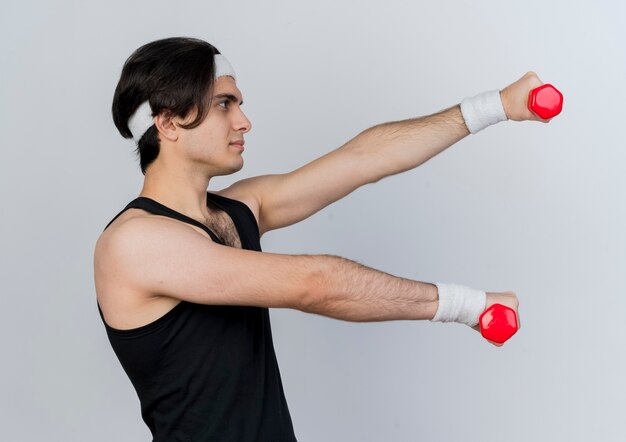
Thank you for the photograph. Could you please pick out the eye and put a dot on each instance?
(223, 102)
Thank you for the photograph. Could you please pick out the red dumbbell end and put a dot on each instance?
(498, 323)
(545, 101)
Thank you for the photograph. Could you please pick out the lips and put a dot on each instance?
(238, 145)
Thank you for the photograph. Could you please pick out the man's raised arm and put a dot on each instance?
(398, 146)
(382, 150)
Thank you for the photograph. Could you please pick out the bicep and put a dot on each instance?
(165, 258)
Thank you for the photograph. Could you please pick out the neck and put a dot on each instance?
(178, 188)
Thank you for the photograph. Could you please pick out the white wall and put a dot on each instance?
(534, 208)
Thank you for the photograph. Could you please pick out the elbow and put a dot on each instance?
(313, 296)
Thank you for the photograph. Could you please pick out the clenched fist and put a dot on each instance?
(515, 98)
(508, 299)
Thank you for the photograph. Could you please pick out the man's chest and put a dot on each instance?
(220, 223)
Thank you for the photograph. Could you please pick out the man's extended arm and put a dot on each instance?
(399, 146)
(382, 150)
(344, 289)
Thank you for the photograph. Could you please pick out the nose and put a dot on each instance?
(242, 123)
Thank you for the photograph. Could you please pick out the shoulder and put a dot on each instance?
(140, 250)
(135, 237)
(123, 256)
(140, 229)
(124, 226)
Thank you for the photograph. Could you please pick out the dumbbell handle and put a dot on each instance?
(545, 101)
(498, 323)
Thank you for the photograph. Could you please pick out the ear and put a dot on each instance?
(167, 125)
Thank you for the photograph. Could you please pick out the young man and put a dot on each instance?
(182, 285)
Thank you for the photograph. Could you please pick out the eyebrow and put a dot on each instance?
(230, 97)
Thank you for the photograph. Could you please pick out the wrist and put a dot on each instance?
(504, 98)
(483, 110)
(458, 303)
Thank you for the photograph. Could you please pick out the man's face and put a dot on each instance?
(224, 124)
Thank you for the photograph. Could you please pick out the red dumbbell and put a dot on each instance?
(545, 101)
(498, 323)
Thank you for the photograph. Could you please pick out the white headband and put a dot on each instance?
(141, 120)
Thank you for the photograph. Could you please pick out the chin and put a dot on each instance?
(235, 168)
(238, 168)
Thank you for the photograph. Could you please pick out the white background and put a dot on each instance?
(530, 207)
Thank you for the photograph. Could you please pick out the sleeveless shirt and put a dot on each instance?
(206, 372)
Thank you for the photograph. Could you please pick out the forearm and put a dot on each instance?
(345, 289)
(398, 146)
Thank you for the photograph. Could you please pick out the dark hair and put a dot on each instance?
(175, 75)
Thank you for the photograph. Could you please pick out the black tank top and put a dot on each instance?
(206, 372)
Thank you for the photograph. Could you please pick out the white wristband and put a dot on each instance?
(458, 303)
(483, 110)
